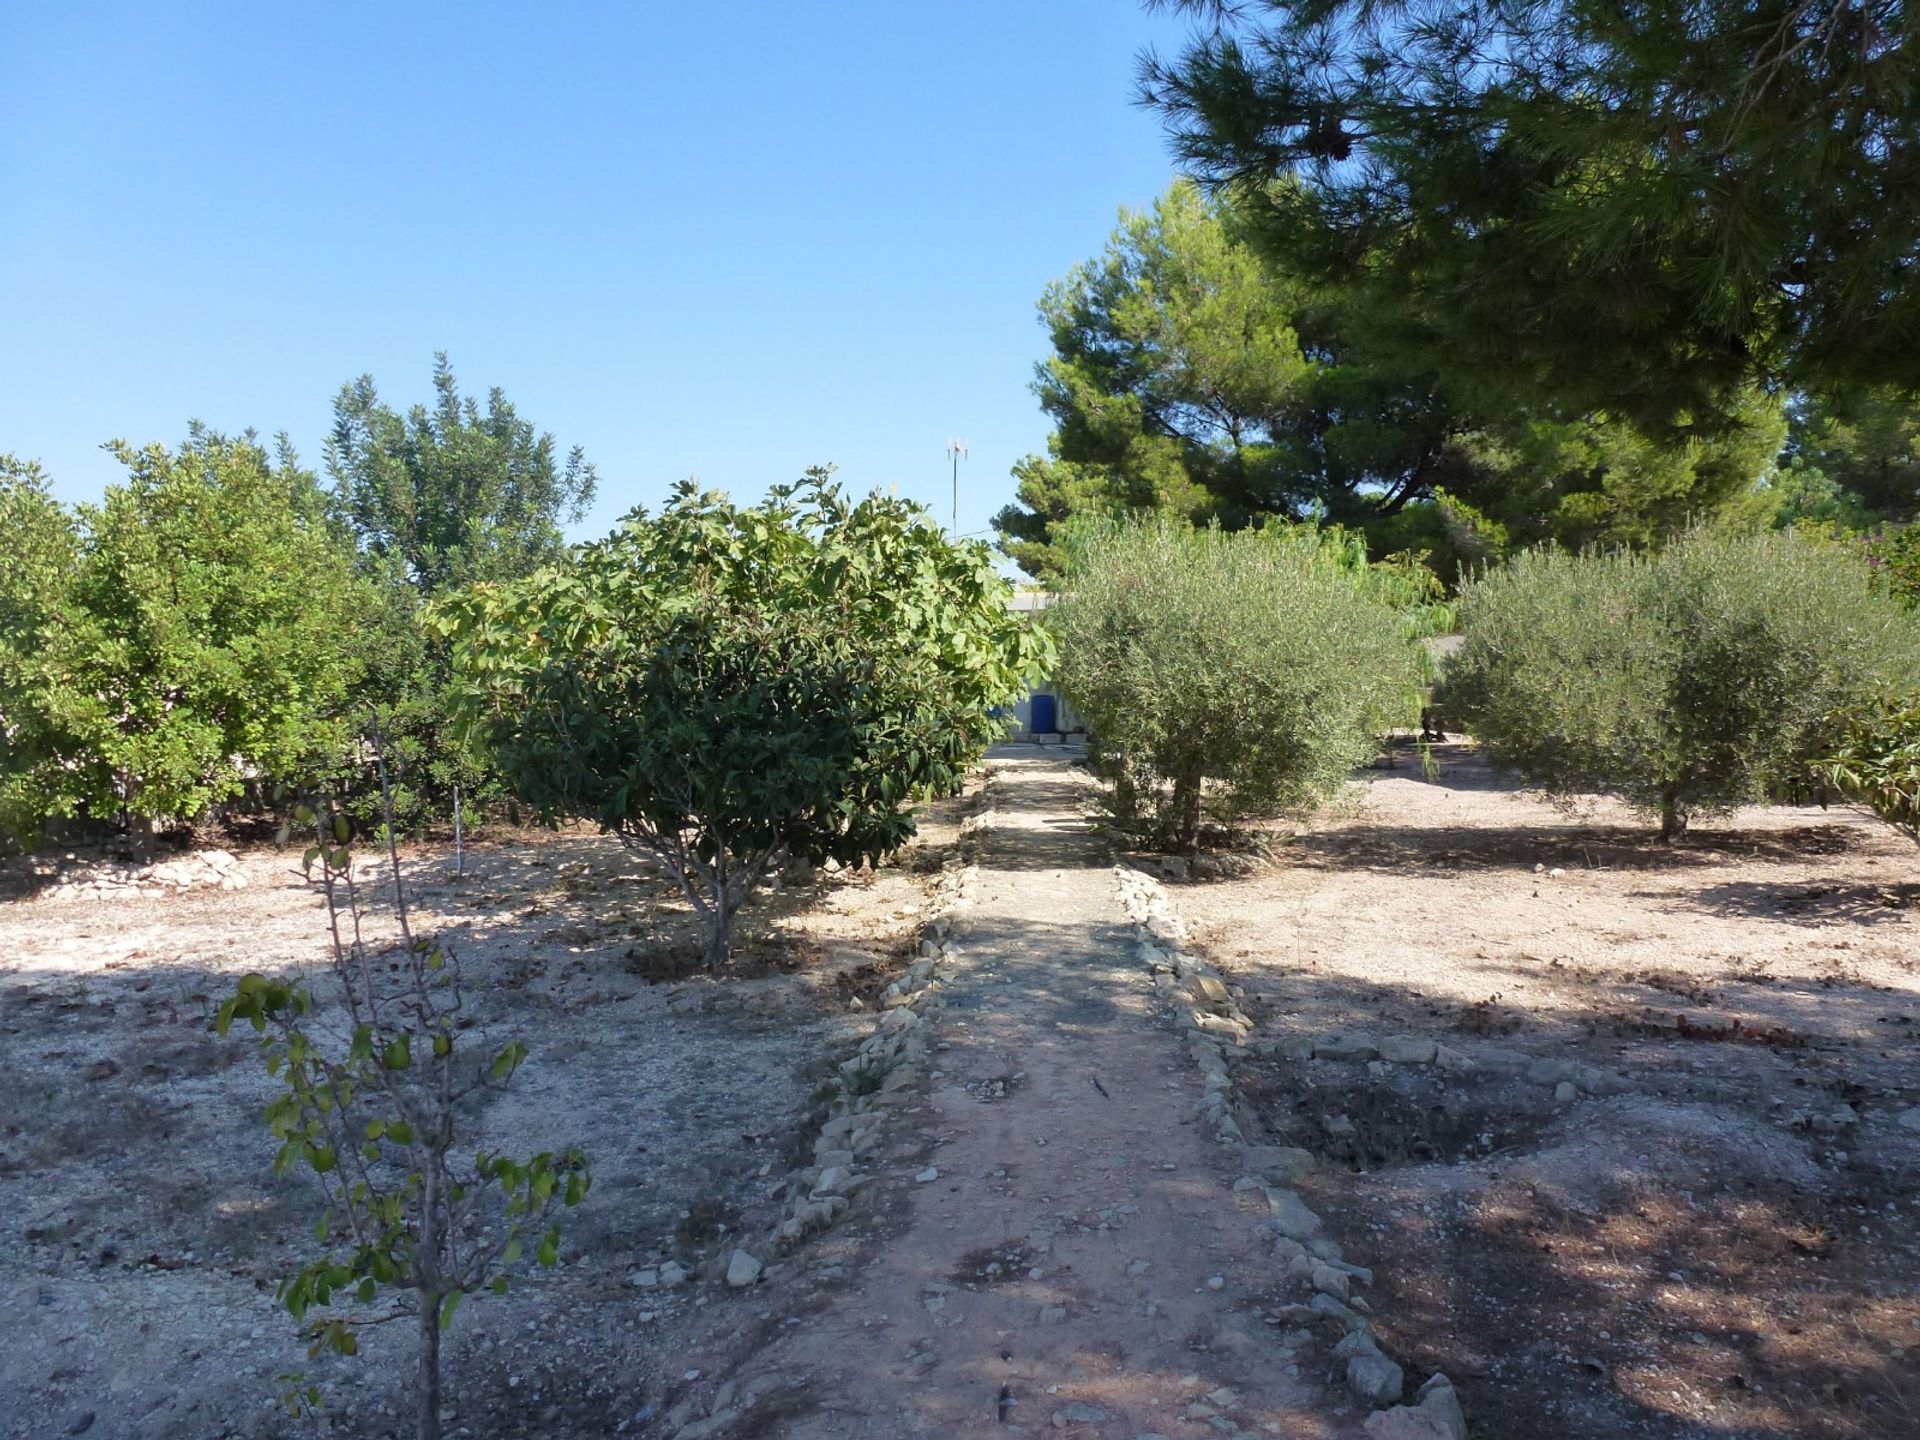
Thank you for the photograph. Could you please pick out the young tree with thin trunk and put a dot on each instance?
(1233, 674)
(378, 1077)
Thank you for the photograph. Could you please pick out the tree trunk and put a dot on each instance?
(427, 1255)
(1673, 819)
(429, 1377)
(719, 934)
(720, 923)
(1186, 811)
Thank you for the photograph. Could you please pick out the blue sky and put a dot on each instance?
(724, 241)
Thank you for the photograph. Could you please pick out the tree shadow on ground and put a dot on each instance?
(1674, 1261)
(1798, 903)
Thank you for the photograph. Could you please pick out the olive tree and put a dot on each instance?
(727, 687)
(1228, 673)
(1687, 681)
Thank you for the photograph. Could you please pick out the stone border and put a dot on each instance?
(1220, 1031)
(868, 1085)
(876, 1079)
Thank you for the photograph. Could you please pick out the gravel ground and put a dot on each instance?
(143, 1229)
(1725, 1239)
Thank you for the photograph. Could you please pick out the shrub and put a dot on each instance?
(1687, 681)
(178, 644)
(1228, 673)
(1876, 760)
(726, 687)
(1895, 554)
(38, 753)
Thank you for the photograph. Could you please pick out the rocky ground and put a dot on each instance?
(1628, 1132)
(143, 1229)
(1445, 1113)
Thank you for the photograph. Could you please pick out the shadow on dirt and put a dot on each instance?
(1690, 1258)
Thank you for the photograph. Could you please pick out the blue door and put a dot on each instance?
(1046, 720)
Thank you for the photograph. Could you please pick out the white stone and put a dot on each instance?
(743, 1270)
(1408, 1050)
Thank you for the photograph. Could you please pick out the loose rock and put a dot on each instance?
(743, 1270)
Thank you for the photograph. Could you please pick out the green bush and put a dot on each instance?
(1895, 554)
(725, 687)
(1229, 673)
(1687, 681)
(176, 646)
(1876, 760)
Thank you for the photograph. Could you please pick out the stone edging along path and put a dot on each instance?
(1221, 1031)
(867, 1086)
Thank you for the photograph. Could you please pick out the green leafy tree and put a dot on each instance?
(725, 687)
(1192, 378)
(1600, 479)
(376, 1113)
(1229, 673)
(457, 493)
(440, 496)
(1866, 443)
(38, 755)
(1195, 376)
(200, 652)
(1687, 681)
(1876, 759)
(1635, 209)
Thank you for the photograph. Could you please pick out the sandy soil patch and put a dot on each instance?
(143, 1230)
(1724, 1239)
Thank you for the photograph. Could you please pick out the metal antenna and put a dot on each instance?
(956, 452)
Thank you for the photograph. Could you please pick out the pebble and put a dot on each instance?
(927, 1176)
(1216, 1282)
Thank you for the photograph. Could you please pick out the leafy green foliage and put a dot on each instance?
(407, 677)
(372, 1108)
(192, 648)
(1686, 681)
(1230, 673)
(1866, 444)
(37, 754)
(1639, 208)
(725, 687)
(456, 493)
(1876, 759)
(441, 496)
(1895, 554)
(1192, 378)
(1195, 375)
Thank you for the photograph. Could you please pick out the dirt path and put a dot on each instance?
(1078, 1267)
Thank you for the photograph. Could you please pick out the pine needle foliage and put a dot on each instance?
(1634, 206)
